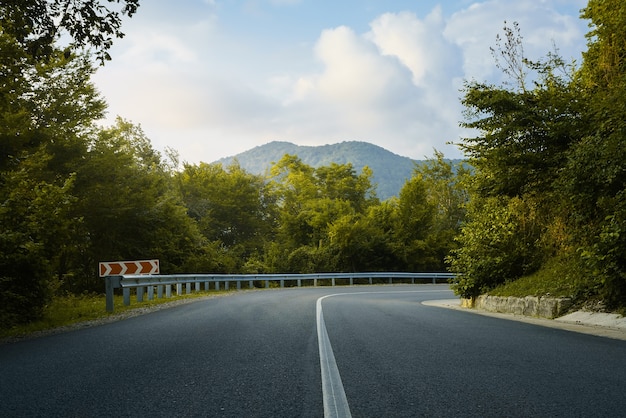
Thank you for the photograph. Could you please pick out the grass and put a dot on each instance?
(73, 309)
(559, 277)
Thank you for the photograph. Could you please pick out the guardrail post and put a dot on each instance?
(126, 293)
(179, 289)
(282, 283)
(226, 285)
(150, 292)
(250, 284)
(299, 282)
(140, 290)
(160, 291)
(217, 285)
(110, 283)
(197, 286)
(267, 284)
(168, 290)
(333, 283)
(187, 288)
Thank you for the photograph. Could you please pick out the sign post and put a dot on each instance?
(112, 270)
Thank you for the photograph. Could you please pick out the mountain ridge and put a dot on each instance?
(390, 170)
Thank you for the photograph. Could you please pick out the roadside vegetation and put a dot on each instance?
(538, 207)
(547, 198)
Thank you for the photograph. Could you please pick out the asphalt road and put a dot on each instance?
(257, 354)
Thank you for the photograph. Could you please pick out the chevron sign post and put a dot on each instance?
(118, 268)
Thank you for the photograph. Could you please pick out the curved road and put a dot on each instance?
(260, 354)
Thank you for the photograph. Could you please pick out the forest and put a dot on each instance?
(542, 190)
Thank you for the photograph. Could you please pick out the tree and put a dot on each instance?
(128, 205)
(49, 109)
(229, 205)
(446, 192)
(415, 216)
(309, 202)
(519, 155)
(36, 227)
(38, 24)
(595, 176)
(500, 241)
(524, 135)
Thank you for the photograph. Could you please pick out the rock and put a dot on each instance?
(543, 307)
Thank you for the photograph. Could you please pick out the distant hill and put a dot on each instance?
(390, 170)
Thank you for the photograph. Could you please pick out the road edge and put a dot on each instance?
(567, 322)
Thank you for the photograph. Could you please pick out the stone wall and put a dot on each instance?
(543, 307)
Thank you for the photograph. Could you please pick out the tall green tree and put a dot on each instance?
(524, 135)
(230, 207)
(128, 204)
(49, 109)
(309, 202)
(595, 176)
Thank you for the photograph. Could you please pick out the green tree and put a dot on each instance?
(230, 207)
(446, 194)
(519, 155)
(500, 241)
(309, 201)
(37, 24)
(36, 227)
(415, 216)
(129, 206)
(49, 109)
(595, 176)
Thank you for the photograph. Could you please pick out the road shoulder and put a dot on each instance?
(593, 323)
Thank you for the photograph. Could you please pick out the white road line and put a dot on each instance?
(335, 400)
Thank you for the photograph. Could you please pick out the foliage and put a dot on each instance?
(518, 156)
(231, 210)
(74, 193)
(37, 24)
(389, 170)
(549, 159)
(42, 139)
(499, 242)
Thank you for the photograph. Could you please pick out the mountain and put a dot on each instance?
(390, 170)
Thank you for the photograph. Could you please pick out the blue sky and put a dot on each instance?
(213, 78)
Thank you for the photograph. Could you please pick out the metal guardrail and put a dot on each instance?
(163, 283)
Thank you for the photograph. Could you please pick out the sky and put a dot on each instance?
(213, 78)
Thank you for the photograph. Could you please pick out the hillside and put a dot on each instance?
(390, 170)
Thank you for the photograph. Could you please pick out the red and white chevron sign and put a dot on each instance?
(118, 268)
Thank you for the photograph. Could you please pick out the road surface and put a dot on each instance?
(261, 354)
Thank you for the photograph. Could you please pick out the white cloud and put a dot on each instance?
(385, 86)
(397, 85)
(418, 44)
(474, 30)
